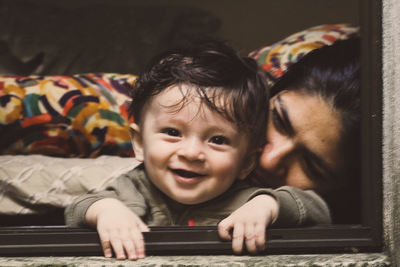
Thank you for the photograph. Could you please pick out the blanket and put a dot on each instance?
(31, 184)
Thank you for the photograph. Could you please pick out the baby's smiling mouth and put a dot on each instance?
(187, 174)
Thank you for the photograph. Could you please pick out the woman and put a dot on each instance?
(313, 131)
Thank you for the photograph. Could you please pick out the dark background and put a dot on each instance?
(80, 36)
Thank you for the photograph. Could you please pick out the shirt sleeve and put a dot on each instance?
(297, 207)
(123, 188)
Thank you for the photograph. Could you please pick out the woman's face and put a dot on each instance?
(302, 147)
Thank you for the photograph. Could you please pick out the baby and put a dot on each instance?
(200, 119)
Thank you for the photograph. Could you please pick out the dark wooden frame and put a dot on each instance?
(63, 241)
(367, 236)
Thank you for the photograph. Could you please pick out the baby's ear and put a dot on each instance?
(136, 139)
(249, 165)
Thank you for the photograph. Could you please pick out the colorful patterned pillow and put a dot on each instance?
(276, 58)
(66, 116)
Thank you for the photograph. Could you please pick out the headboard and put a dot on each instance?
(68, 37)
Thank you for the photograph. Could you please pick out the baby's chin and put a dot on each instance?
(189, 199)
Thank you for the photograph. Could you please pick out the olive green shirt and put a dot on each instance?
(296, 207)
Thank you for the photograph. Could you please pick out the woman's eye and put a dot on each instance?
(311, 170)
(171, 132)
(314, 172)
(219, 140)
(277, 121)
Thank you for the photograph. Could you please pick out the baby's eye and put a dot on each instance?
(171, 132)
(219, 140)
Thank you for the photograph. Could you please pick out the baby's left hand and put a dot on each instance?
(249, 223)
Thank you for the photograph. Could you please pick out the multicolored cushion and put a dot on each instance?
(66, 116)
(276, 58)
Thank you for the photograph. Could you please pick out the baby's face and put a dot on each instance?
(191, 153)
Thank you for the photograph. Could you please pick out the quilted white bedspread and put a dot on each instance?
(32, 184)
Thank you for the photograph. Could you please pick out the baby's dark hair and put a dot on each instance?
(216, 72)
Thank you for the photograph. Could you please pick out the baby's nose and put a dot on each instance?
(192, 149)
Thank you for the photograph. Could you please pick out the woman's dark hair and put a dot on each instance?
(333, 73)
(215, 71)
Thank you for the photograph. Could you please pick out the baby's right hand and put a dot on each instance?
(119, 228)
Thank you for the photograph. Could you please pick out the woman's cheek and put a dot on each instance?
(297, 178)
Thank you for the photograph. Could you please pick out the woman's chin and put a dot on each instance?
(262, 178)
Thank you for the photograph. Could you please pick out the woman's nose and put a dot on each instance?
(274, 157)
(192, 149)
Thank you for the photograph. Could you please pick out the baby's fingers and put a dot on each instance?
(129, 247)
(113, 241)
(142, 226)
(105, 244)
(260, 230)
(238, 238)
(224, 229)
(250, 239)
(139, 246)
(118, 246)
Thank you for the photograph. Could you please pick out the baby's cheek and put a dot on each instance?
(228, 166)
(157, 152)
